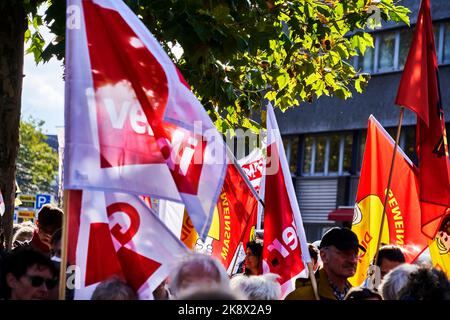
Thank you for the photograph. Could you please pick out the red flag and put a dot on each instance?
(252, 165)
(285, 250)
(118, 234)
(402, 225)
(118, 71)
(419, 91)
(234, 210)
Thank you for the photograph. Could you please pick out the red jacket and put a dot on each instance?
(38, 244)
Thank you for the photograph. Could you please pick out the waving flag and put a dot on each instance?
(236, 207)
(419, 91)
(440, 246)
(118, 234)
(285, 250)
(402, 221)
(133, 124)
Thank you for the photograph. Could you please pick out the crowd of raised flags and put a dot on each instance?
(134, 128)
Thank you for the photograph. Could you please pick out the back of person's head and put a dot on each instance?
(27, 223)
(197, 269)
(426, 283)
(395, 280)
(20, 260)
(209, 293)
(313, 252)
(261, 287)
(16, 226)
(360, 293)
(113, 289)
(50, 218)
(390, 252)
(22, 236)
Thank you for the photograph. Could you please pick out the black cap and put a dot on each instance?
(341, 238)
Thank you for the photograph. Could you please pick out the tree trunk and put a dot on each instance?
(12, 29)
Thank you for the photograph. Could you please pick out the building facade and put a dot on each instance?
(325, 140)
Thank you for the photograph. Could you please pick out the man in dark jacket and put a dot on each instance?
(339, 253)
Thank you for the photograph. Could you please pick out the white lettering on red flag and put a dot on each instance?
(285, 250)
(118, 77)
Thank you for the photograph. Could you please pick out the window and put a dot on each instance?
(307, 154)
(446, 54)
(294, 154)
(392, 48)
(320, 155)
(409, 142)
(291, 149)
(327, 154)
(406, 36)
(347, 153)
(333, 162)
(362, 146)
(386, 51)
(365, 63)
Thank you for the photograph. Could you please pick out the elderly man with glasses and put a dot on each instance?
(339, 253)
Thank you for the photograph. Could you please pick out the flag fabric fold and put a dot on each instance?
(402, 224)
(116, 234)
(419, 91)
(133, 123)
(234, 211)
(285, 249)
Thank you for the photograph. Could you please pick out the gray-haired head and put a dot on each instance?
(395, 280)
(197, 270)
(114, 289)
(261, 287)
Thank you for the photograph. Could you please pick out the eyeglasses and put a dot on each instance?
(346, 253)
(37, 281)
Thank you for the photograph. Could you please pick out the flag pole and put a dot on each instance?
(313, 280)
(63, 266)
(391, 170)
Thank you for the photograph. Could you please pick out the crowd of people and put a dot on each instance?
(31, 271)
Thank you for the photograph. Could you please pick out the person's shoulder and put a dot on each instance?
(303, 290)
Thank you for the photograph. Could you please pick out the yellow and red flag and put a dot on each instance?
(440, 246)
(419, 91)
(233, 212)
(402, 225)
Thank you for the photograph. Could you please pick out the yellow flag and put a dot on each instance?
(440, 247)
(366, 225)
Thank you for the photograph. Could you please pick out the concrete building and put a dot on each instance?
(325, 140)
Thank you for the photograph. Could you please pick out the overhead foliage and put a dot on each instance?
(235, 53)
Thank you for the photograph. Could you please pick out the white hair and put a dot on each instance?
(395, 280)
(206, 269)
(261, 287)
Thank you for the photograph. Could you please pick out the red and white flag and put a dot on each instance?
(253, 165)
(116, 234)
(133, 125)
(285, 250)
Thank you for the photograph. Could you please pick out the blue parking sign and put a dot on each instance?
(42, 199)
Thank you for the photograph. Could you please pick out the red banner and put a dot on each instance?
(285, 248)
(233, 212)
(402, 225)
(419, 91)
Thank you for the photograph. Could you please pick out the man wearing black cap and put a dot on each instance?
(339, 253)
